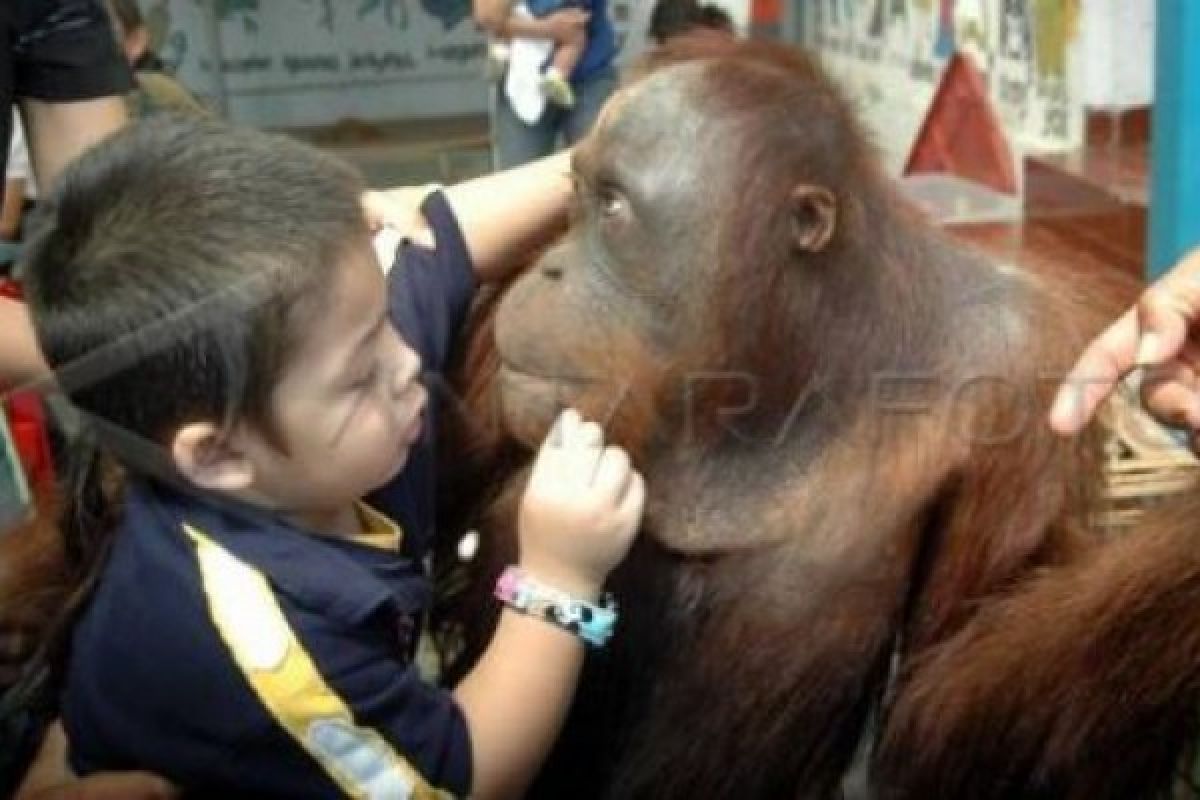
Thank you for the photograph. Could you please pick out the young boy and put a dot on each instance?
(212, 304)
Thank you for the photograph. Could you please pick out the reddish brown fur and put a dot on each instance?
(33, 584)
(1082, 684)
(782, 578)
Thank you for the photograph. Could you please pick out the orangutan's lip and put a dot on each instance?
(528, 374)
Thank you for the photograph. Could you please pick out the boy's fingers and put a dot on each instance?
(634, 500)
(613, 472)
(590, 434)
(562, 431)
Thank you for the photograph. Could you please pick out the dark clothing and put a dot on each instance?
(516, 142)
(601, 44)
(238, 655)
(56, 50)
(601, 38)
(53, 50)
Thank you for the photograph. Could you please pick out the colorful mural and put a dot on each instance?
(891, 54)
(283, 62)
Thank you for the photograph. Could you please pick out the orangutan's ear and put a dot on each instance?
(813, 217)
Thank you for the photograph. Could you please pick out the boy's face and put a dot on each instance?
(349, 406)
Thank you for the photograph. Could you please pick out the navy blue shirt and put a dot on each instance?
(238, 655)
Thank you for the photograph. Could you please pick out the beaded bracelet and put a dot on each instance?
(590, 622)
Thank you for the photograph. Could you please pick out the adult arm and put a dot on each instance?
(57, 132)
(496, 17)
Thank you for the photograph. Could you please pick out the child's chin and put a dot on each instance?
(394, 469)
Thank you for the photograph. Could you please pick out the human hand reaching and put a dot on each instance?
(581, 508)
(1157, 334)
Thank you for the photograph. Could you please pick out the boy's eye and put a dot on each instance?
(367, 379)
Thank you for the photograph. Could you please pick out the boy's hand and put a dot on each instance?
(400, 210)
(581, 509)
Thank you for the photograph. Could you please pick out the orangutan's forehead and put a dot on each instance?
(665, 106)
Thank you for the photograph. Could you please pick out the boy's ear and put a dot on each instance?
(206, 457)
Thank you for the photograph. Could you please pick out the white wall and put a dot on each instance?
(890, 56)
(1118, 38)
(296, 63)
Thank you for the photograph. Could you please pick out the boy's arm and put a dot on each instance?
(578, 517)
(505, 217)
(515, 701)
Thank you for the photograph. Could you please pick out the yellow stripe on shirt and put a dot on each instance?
(291, 688)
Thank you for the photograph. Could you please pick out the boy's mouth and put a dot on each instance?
(414, 431)
(416, 425)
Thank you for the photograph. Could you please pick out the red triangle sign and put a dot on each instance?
(961, 133)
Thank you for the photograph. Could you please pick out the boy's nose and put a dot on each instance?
(407, 372)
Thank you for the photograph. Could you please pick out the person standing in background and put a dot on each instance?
(674, 18)
(19, 190)
(59, 60)
(156, 90)
(592, 81)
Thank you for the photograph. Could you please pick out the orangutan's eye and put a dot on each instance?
(612, 202)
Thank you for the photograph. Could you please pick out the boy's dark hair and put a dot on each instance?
(171, 268)
(169, 274)
(674, 17)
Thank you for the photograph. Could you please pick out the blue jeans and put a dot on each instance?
(515, 143)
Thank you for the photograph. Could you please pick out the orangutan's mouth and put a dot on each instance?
(512, 371)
